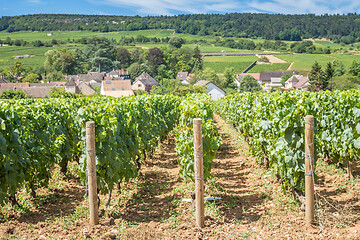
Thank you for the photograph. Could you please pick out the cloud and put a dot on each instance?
(171, 7)
(34, 1)
(306, 6)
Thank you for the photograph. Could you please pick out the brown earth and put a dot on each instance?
(253, 204)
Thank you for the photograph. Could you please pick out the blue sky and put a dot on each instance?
(171, 7)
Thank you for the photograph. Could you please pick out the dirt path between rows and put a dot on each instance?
(289, 68)
(253, 204)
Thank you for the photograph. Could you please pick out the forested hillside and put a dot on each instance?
(338, 28)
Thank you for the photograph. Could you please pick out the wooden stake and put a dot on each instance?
(309, 170)
(349, 168)
(91, 166)
(199, 173)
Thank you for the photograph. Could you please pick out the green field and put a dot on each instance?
(7, 55)
(219, 63)
(270, 67)
(304, 62)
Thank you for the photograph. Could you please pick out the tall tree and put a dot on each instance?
(100, 52)
(317, 78)
(123, 56)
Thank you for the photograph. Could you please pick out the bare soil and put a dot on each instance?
(273, 59)
(253, 203)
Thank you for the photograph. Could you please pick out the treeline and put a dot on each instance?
(338, 28)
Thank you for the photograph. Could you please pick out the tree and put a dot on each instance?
(55, 76)
(176, 42)
(197, 58)
(60, 60)
(209, 75)
(32, 78)
(155, 58)
(249, 84)
(345, 82)
(355, 68)
(100, 52)
(229, 85)
(329, 74)
(285, 77)
(15, 71)
(136, 69)
(123, 56)
(14, 94)
(339, 68)
(317, 78)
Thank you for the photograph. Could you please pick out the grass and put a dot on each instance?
(304, 62)
(219, 63)
(270, 67)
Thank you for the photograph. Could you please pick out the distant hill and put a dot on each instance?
(338, 28)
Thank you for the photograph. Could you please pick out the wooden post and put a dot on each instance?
(199, 173)
(348, 168)
(309, 170)
(91, 166)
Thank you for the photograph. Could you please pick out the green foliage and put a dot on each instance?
(318, 80)
(176, 88)
(264, 59)
(229, 85)
(100, 52)
(249, 84)
(339, 28)
(339, 68)
(60, 60)
(274, 125)
(208, 75)
(13, 72)
(123, 56)
(126, 130)
(176, 42)
(196, 106)
(14, 94)
(140, 92)
(355, 69)
(32, 78)
(345, 82)
(55, 76)
(59, 92)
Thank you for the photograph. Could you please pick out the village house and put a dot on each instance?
(86, 89)
(36, 90)
(119, 74)
(71, 87)
(185, 77)
(271, 79)
(144, 82)
(297, 82)
(211, 89)
(116, 88)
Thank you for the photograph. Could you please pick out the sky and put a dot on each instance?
(174, 7)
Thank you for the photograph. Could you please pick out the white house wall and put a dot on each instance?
(214, 91)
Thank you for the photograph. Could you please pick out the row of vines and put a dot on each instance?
(274, 126)
(36, 135)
